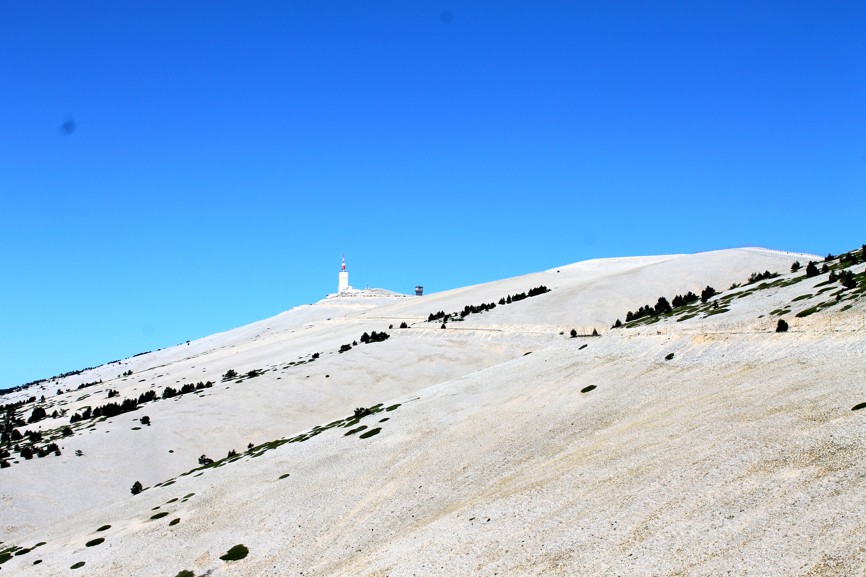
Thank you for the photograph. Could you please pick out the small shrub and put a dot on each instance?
(587, 389)
(185, 573)
(573, 333)
(796, 266)
(235, 553)
(403, 325)
(104, 528)
(174, 522)
(160, 515)
(78, 565)
(136, 488)
(95, 542)
(669, 356)
(781, 326)
(144, 420)
(858, 406)
(370, 433)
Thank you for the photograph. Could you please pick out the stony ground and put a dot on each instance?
(708, 445)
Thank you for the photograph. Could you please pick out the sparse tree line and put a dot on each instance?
(663, 306)
(475, 309)
(24, 443)
(16, 405)
(844, 276)
(759, 276)
(128, 405)
(373, 337)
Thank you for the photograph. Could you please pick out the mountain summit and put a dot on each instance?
(663, 415)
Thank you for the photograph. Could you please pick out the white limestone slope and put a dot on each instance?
(739, 456)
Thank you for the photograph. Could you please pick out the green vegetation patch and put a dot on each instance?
(808, 311)
(687, 317)
(185, 573)
(393, 407)
(587, 389)
(858, 406)
(283, 476)
(171, 501)
(669, 356)
(104, 528)
(353, 431)
(235, 553)
(717, 311)
(370, 433)
(78, 565)
(188, 496)
(174, 522)
(160, 515)
(95, 542)
(801, 298)
(20, 552)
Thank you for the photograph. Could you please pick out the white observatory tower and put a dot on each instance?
(344, 278)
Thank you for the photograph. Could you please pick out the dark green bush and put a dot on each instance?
(235, 553)
(95, 542)
(781, 326)
(136, 488)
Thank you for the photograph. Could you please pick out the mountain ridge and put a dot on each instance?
(493, 420)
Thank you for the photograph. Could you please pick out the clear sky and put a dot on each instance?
(173, 169)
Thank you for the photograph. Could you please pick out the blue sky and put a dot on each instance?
(218, 158)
